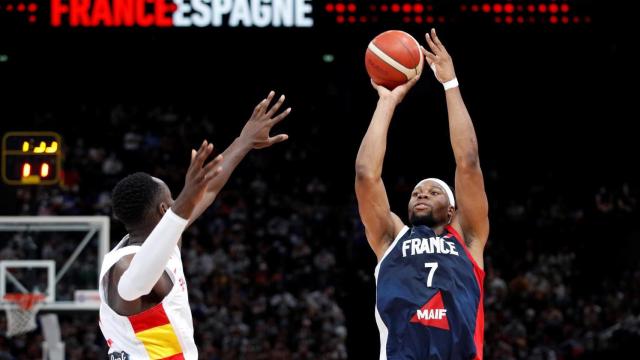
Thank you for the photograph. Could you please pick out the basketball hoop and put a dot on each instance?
(21, 319)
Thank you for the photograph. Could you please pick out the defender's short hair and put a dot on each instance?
(133, 197)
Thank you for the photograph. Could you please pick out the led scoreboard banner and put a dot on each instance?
(289, 13)
(31, 158)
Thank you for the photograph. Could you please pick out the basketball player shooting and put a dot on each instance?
(429, 277)
(144, 310)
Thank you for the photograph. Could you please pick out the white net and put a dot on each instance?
(21, 319)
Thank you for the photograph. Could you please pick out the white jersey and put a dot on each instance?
(164, 331)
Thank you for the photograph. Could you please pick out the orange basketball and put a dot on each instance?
(393, 58)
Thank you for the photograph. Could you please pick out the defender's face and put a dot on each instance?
(429, 205)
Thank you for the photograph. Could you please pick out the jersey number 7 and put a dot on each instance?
(433, 266)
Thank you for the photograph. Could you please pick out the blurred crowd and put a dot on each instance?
(273, 265)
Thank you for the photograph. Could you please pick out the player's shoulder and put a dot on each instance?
(123, 264)
(398, 226)
(455, 229)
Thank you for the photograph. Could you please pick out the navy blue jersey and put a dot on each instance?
(429, 297)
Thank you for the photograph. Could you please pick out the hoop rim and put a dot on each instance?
(26, 301)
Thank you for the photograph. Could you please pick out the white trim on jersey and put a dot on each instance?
(384, 335)
(393, 244)
(382, 328)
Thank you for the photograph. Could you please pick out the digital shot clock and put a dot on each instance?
(31, 158)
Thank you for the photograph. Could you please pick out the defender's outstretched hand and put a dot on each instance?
(256, 130)
(197, 179)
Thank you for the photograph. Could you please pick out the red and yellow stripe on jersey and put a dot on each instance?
(153, 329)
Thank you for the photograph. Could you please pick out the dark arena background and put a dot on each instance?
(279, 267)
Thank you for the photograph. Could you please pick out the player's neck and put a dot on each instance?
(139, 235)
(439, 229)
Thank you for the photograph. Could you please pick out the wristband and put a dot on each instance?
(453, 83)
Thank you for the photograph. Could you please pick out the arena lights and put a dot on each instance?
(22, 7)
(505, 12)
(408, 11)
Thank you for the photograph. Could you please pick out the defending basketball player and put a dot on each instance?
(429, 277)
(144, 310)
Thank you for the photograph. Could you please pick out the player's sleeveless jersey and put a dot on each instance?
(163, 332)
(429, 297)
